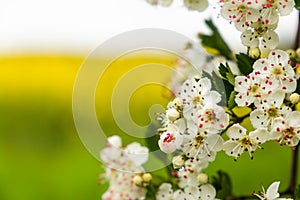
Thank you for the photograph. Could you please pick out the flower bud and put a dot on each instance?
(172, 114)
(298, 52)
(294, 98)
(178, 161)
(291, 53)
(254, 52)
(177, 103)
(147, 177)
(202, 178)
(138, 180)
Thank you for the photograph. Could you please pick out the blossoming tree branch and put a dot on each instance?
(201, 121)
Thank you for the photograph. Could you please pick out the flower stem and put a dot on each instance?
(294, 172)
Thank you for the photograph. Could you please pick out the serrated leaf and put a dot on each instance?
(222, 183)
(231, 102)
(230, 78)
(245, 63)
(215, 40)
(223, 70)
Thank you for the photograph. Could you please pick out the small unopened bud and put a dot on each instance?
(298, 52)
(202, 178)
(254, 52)
(147, 177)
(291, 53)
(172, 114)
(178, 161)
(295, 98)
(177, 103)
(138, 180)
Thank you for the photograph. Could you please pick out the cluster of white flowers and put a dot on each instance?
(193, 121)
(197, 124)
(257, 20)
(272, 80)
(122, 165)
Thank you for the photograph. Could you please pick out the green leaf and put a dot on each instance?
(297, 4)
(298, 87)
(230, 78)
(245, 63)
(231, 102)
(223, 70)
(215, 40)
(222, 183)
(298, 192)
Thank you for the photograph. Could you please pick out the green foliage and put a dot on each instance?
(215, 40)
(231, 102)
(222, 183)
(228, 82)
(298, 87)
(245, 63)
(298, 192)
(297, 4)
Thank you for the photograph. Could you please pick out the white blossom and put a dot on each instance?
(277, 70)
(287, 130)
(239, 141)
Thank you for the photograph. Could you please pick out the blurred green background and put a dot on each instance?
(41, 155)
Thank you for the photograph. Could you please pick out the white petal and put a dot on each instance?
(270, 40)
(207, 192)
(260, 135)
(272, 191)
(258, 118)
(236, 131)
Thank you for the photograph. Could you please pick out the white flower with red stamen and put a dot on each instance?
(271, 9)
(241, 12)
(199, 144)
(268, 110)
(172, 136)
(271, 194)
(213, 118)
(203, 192)
(277, 70)
(260, 33)
(188, 174)
(165, 192)
(121, 186)
(287, 130)
(251, 89)
(240, 141)
(198, 5)
(121, 163)
(196, 94)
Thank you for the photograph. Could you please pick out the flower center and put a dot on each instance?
(245, 142)
(197, 100)
(272, 112)
(198, 141)
(277, 72)
(254, 89)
